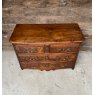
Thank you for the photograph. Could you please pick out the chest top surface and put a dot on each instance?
(34, 33)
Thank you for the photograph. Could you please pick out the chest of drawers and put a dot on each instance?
(47, 46)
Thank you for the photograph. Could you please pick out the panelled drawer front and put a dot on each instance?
(63, 48)
(29, 49)
(44, 48)
(47, 57)
(46, 65)
(30, 65)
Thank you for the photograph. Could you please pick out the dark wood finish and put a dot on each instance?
(47, 46)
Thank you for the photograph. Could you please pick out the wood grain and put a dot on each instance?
(44, 43)
(31, 33)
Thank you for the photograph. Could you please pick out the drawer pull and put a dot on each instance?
(66, 58)
(46, 57)
(62, 49)
(27, 51)
(36, 58)
(59, 50)
(47, 48)
(32, 51)
(69, 49)
(28, 59)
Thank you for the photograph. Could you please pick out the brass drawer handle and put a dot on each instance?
(63, 49)
(32, 51)
(22, 50)
(64, 65)
(27, 59)
(47, 48)
(59, 50)
(66, 58)
(24, 60)
(47, 58)
(36, 58)
(69, 49)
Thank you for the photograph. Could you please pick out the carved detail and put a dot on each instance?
(47, 58)
(47, 48)
(70, 49)
(23, 50)
(39, 58)
(66, 58)
(32, 50)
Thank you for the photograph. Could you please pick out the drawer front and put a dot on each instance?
(44, 48)
(63, 48)
(30, 65)
(47, 57)
(47, 65)
(29, 49)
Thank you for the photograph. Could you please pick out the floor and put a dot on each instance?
(58, 82)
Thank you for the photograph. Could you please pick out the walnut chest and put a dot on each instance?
(47, 46)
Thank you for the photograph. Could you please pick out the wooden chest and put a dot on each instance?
(47, 46)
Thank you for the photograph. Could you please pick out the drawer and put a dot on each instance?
(55, 65)
(47, 65)
(63, 48)
(47, 57)
(46, 48)
(30, 65)
(29, 49)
